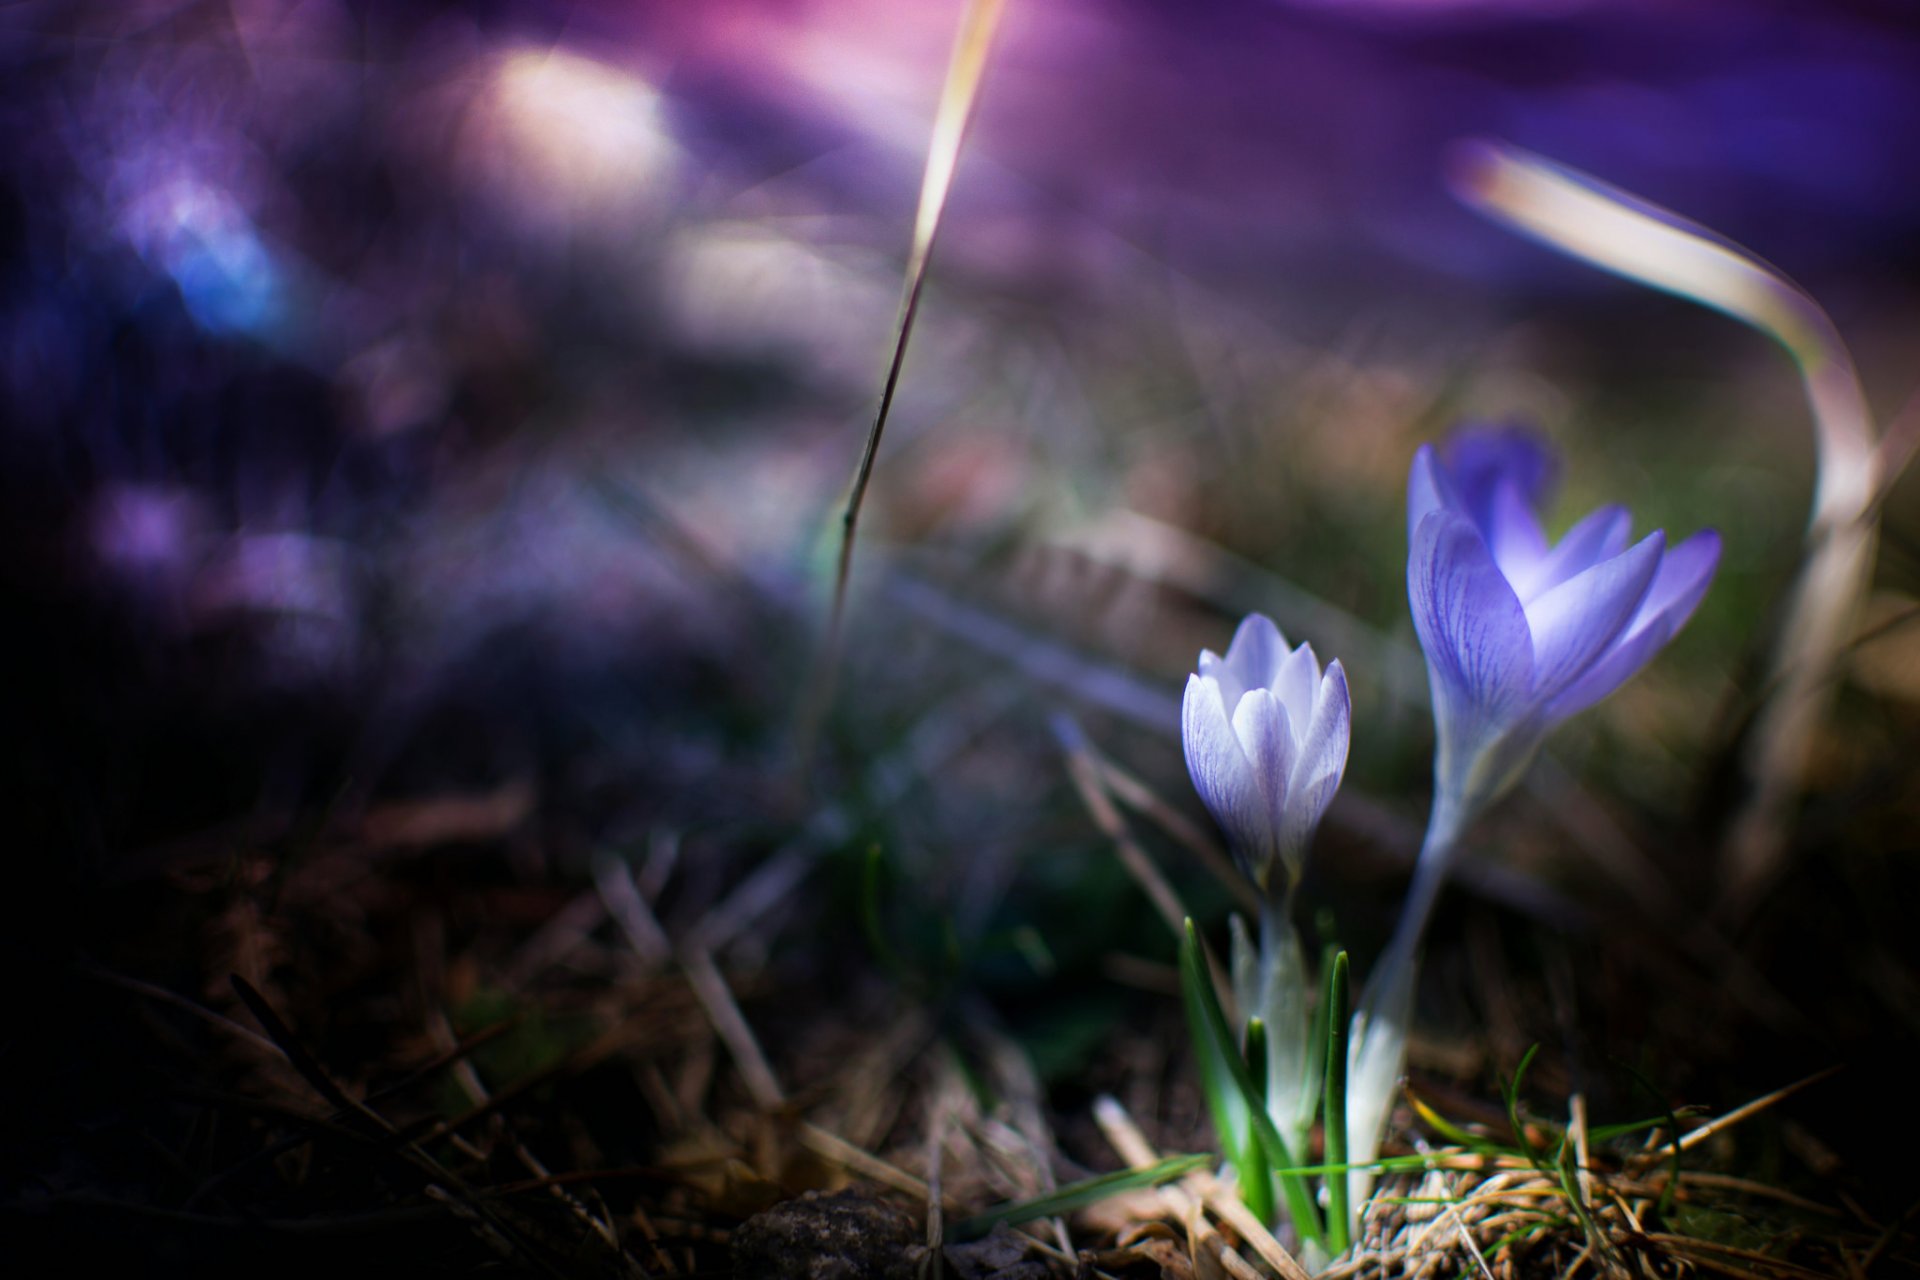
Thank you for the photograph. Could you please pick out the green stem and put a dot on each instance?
(1339, 1214)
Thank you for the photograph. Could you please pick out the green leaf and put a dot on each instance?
(1230, 1090)
(1213, 1045)
(1078, 1195)
(1257, 1055)
(1671, 1119)
(1454, 1133)
(1334, 1000)
(872, 869)
(1317, 1034)
(1511, 1092)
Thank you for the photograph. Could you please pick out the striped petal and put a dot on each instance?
(1265, 732)
(1322, 761)
(1600, 536)
(1682, 580)
(1577, 621)
(1479, 650)
(1221, 772)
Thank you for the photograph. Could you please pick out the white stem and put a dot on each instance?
(1284, 1007)
(1377, 1039)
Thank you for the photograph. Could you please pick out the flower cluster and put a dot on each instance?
(1519, 634)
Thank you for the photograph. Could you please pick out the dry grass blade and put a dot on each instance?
(1225, 1205)
(724, 1013)
(1467, 1240)
(964, 72)
(836, 1149)
(1085, 773)
(1125, 1137)
(936, 1217)
(1098, 684)
(304, 1062)
(1731, 1259)
(624, 902)
(1139, 797)
(1656, 1184)
(164, 996)
(441, 1184)
(1745, 1111)
(441, 1031)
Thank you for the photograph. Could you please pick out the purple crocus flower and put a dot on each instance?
(1520, 634)
(1266, 739)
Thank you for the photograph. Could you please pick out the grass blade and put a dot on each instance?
(1078, 1195)
(1213, 1043)
(1317, 1033)
(1511, 1093)
(1335, 1000)
(1454, 1133)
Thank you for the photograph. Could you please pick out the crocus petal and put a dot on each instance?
(1682, 580)
(1577, 621)
(1602, 535)
(1426, 491)
(1322, 761)
(1480, 462)
(1471, 626)
(1214, 667)
(1611, 671)
(1297, 684)
(1265, 732)
(1256, 653)
(1220, 769)
(1513, 534)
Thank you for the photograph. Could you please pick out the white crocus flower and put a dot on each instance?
(1266, 740)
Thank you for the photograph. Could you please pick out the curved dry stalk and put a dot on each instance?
(1618, 232)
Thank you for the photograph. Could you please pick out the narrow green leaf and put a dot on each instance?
(1511, 1091)
(1317, 1034)
(872, 868)
(1664, 1207)
(1454, 1133)
(1229, 1075)
(1334, 999)
(1380, 1164)
(1214, 1047)
(1257, 1055)
(1078, 1195)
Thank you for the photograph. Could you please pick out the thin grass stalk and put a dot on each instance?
(960, 90)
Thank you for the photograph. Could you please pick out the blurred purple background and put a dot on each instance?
(362, 360)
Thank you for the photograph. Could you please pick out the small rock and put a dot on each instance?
(844, 1236)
